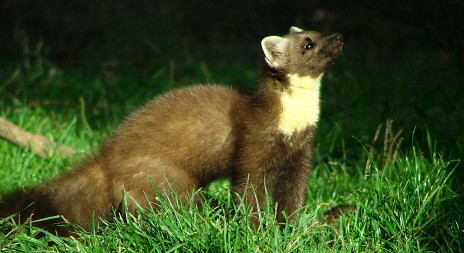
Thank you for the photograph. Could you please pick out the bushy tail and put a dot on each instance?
(78, 196)
(27, 206)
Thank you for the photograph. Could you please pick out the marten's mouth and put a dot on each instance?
(336, 51)
(333, 55)
(337, 47)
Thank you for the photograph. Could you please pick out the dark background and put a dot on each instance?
(405, 59)
(139, 31)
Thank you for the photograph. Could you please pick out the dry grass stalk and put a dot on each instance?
(391, 144)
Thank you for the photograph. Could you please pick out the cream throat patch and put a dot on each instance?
(300, 104)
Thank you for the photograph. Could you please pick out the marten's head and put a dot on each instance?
(305, 53)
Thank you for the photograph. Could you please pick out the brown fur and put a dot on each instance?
(189, 137)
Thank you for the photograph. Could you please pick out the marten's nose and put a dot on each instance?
(337, 36)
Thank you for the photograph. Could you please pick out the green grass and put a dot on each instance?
(408, 202)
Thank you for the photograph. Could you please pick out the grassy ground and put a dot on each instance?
(407, 187)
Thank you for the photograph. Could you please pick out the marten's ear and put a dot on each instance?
(295, 29)
(274, 48)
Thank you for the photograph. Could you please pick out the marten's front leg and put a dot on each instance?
(290, 189)
(255, 177)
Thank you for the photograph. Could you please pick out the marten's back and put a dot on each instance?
(184, 135)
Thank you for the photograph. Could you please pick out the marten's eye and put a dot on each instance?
(310, 44)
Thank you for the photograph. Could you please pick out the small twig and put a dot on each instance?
(61, 103)
(48, 102)
(83, 116)
(40, 144)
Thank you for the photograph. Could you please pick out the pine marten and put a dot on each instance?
(262, 140)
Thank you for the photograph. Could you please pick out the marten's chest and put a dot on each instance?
(299, 105)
